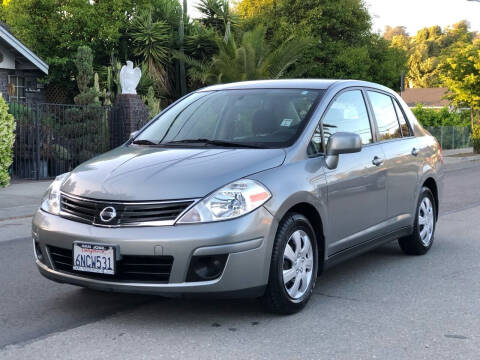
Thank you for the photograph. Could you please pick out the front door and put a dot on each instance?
(357, 187)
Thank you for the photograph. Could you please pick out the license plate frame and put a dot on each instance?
(94, 258)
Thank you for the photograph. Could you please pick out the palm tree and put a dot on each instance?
(151, 43)
(216, 14)
(253, 60)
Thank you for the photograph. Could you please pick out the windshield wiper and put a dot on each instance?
(144, 142)
(213, 142)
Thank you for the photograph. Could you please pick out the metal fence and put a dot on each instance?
(452, 137)
(54, 138)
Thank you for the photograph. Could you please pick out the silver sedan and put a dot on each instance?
(246, 189)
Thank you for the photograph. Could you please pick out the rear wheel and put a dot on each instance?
(421, 239)
(294, 265)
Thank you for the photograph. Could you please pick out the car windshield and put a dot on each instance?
(263, 118)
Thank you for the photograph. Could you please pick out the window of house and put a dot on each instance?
(17, 83)
(387, 122)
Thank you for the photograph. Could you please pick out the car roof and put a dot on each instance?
(321, 84)
(274, 84)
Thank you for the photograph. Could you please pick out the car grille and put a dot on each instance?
(126, 213)
(131, 268)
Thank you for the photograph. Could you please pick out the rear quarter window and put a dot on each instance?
(385, 115)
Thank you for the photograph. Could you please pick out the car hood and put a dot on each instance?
(143, 173)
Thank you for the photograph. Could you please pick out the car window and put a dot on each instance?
(348, 113)
(261, 117)
(315, 145)
(401, 119)
(385, 115)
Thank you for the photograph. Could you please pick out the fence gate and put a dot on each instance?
(53, 138)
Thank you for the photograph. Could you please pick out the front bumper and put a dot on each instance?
(247, 240)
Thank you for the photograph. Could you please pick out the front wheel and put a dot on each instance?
(424, 229)
(294, 265)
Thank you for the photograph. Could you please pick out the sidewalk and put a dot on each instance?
(458, 159)
(18, 202)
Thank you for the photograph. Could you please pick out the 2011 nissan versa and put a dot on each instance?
(246, 189)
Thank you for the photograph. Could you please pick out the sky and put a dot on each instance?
(414, 14)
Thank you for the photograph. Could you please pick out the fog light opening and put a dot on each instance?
(204, 268)
(38, 251)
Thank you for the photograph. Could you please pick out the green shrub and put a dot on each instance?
(7, 138)
(26, 114)
(476, 138)
(441, 117)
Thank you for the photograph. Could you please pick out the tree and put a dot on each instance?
(216, 14)
(86, 128)
(461, 74)
(391, 32)
(254, 8)
(427, 50)
(343, 44)
(254, 59)
(54, 29)
(151, 43)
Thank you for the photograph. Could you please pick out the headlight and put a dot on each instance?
(231, 201)
(51, 199)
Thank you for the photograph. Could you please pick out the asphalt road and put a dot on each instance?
(381, 305)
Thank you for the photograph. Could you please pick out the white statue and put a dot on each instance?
(129, 78)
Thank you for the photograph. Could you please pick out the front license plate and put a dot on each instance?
(94, 258)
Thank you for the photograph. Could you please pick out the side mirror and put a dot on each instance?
(133, 134)
(341, 143)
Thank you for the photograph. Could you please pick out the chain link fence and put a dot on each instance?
(452, 137)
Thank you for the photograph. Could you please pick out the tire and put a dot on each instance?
(417, 243)
(300, 265)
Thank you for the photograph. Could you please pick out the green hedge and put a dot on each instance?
(7, 138)
(441, 117)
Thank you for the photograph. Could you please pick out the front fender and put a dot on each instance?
(295, 183)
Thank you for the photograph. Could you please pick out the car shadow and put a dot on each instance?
(184, 309)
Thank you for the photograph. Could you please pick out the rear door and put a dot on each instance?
(357, 187)
(401, 156)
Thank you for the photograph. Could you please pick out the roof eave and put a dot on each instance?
(22, 49)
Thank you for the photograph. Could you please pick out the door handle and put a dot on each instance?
(414, 151)
(377, 161)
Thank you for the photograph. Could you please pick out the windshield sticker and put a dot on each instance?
(286, 122)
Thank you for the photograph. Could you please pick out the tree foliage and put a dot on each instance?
(253, 59)
(216, 14)
(460, 72)
(428, 49)
(54, 29)
(343, 44)
(391, 32)
(150, 41)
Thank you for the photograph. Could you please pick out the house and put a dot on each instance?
(433, 98)
(20, 70)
